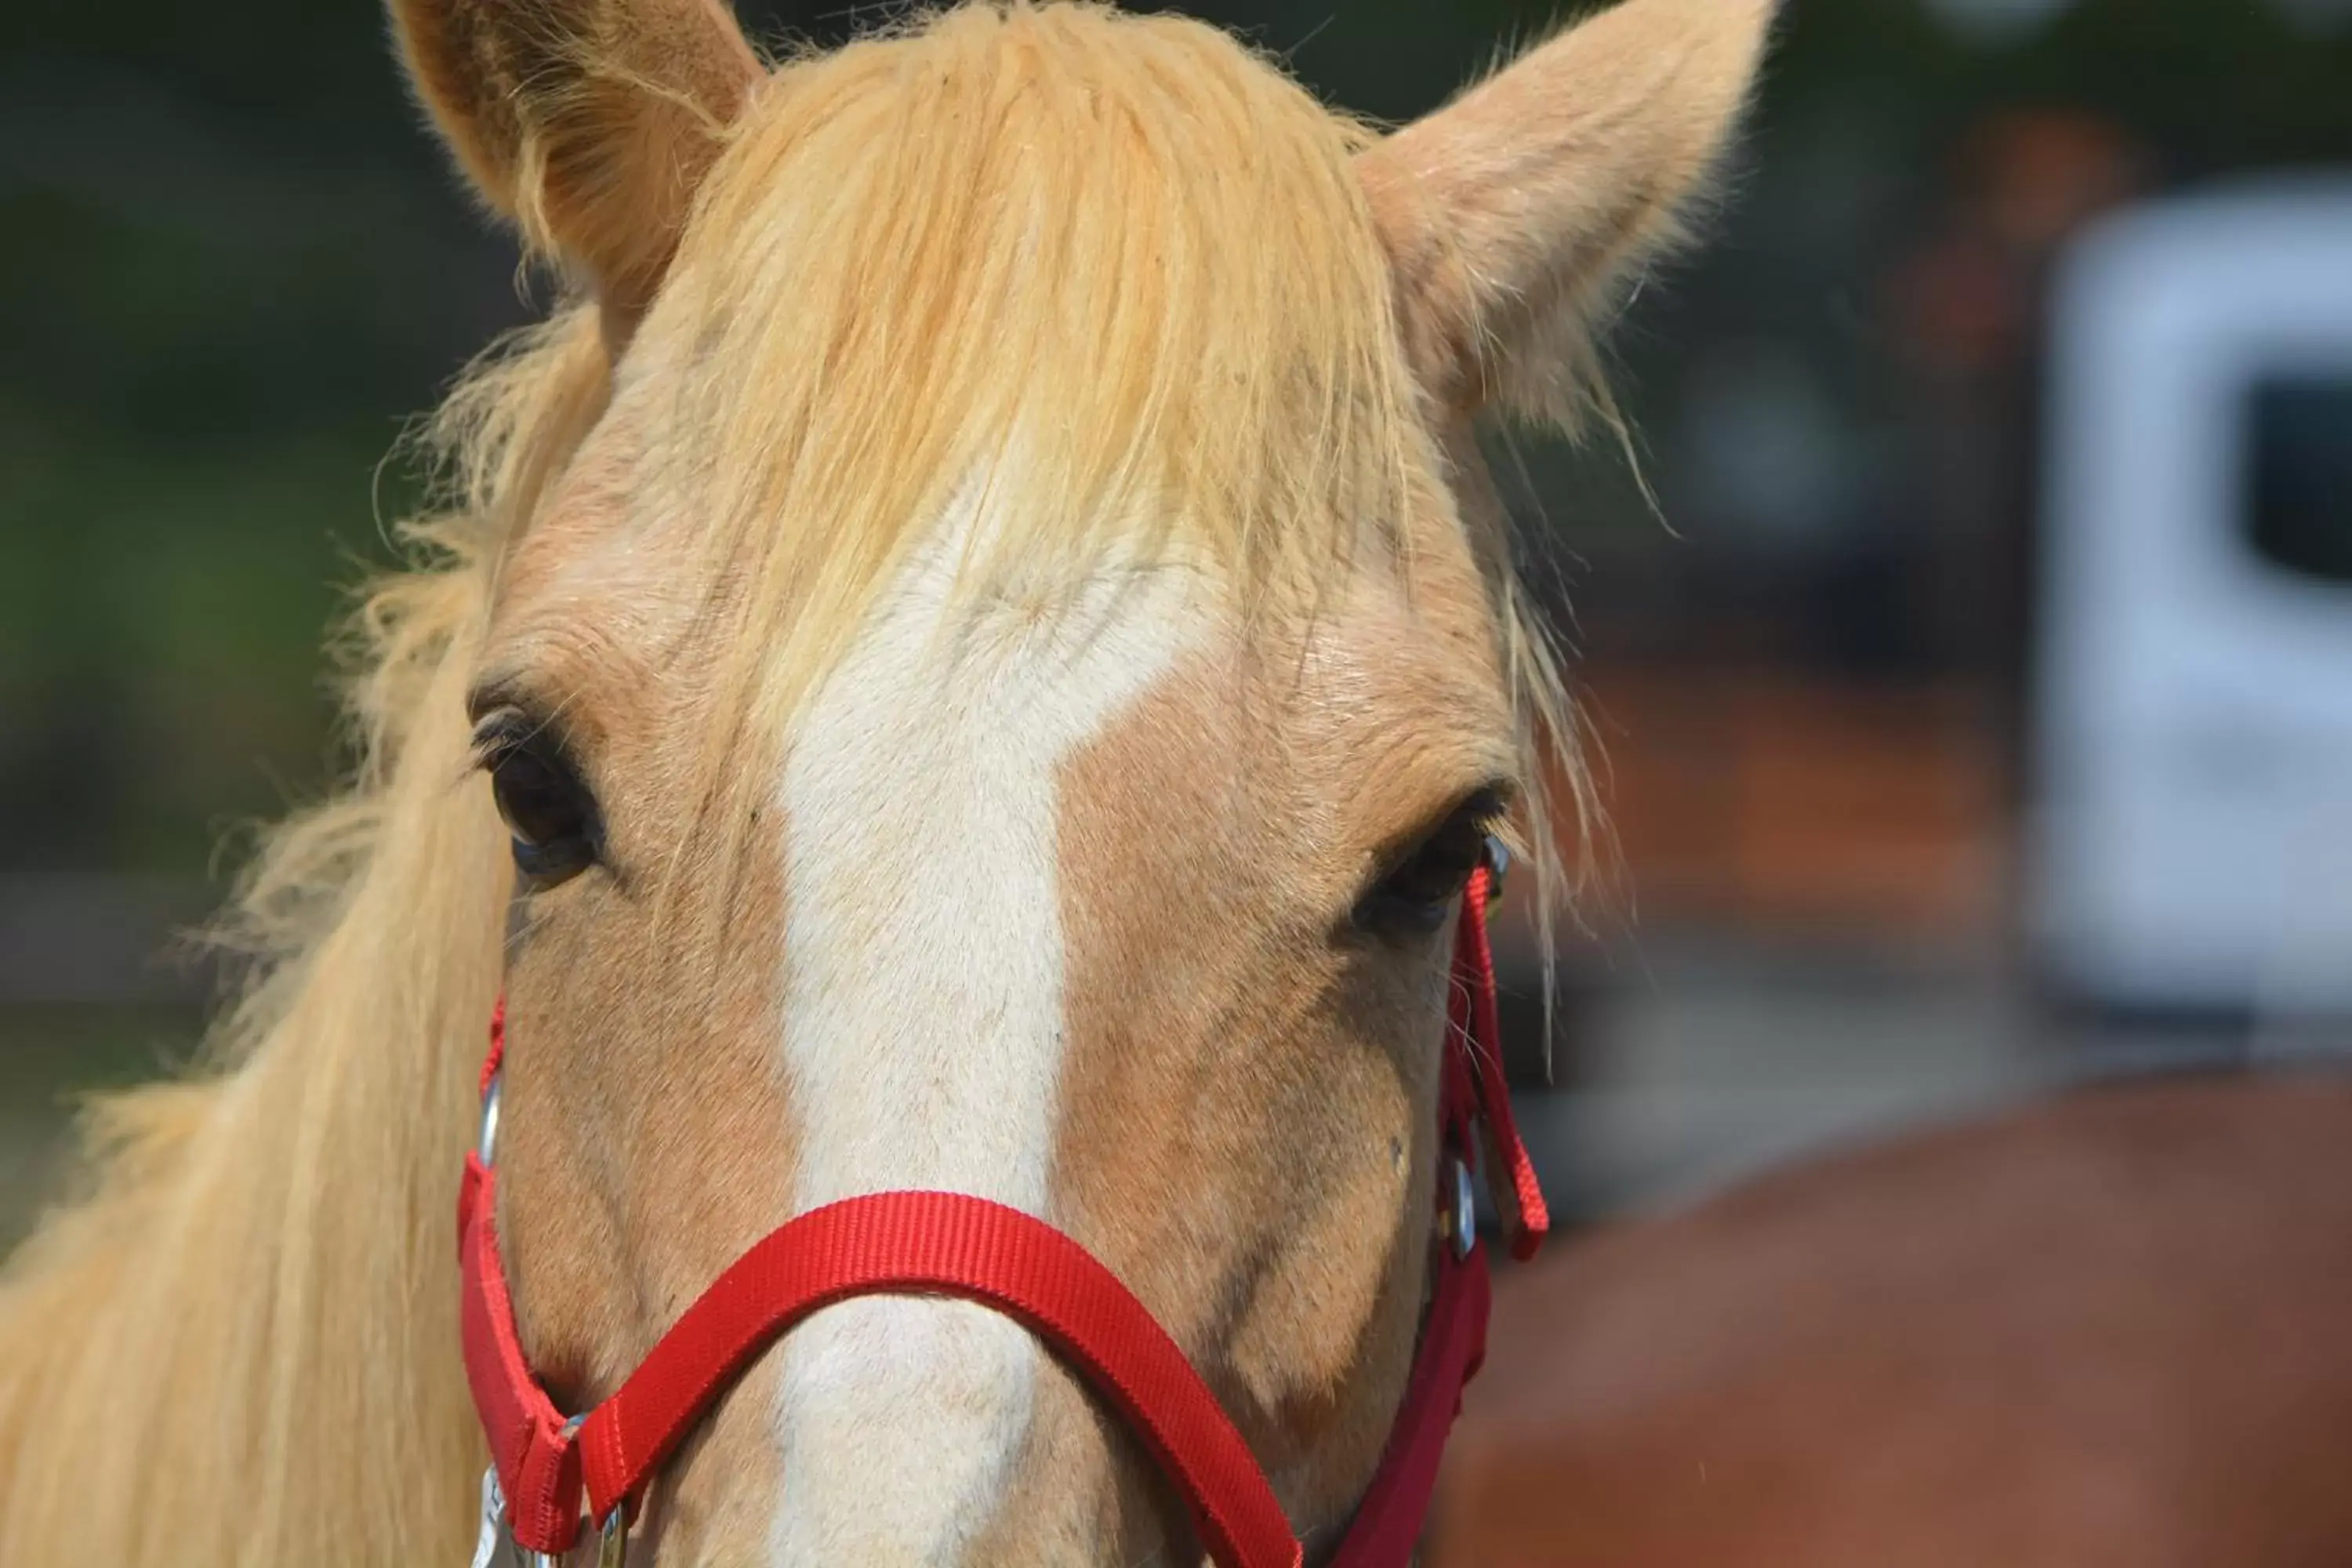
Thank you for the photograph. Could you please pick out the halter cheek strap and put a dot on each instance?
(556, 1472)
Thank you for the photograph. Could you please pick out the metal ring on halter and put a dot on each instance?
(493, 1533)
(485, 1143)
(1461, 1224)
(612, 1546)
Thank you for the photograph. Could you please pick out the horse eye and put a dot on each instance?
(545, 805)
(1414, 896)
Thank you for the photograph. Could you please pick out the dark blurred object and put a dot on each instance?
(2299, 474)
(1969, 305)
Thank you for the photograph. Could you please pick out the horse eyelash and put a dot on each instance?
(503, 731)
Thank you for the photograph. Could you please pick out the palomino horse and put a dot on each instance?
(988, 631)
(2106, 1331)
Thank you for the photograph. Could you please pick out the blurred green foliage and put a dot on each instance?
(53, 1060)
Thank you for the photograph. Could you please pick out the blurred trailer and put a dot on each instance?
(2188, 845)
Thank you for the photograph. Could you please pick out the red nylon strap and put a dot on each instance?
(1478, 1033)
(955, 1245)
(1389, 1521)
(498, 1057)
(538, 1461)
(952, 1244)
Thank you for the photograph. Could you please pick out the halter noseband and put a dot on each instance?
(549, 1475)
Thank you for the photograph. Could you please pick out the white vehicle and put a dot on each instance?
(2190, 842)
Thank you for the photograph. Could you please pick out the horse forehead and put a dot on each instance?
(921, 821)
(993, 761)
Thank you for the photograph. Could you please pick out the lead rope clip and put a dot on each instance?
(494, 1521)
(612, 1546)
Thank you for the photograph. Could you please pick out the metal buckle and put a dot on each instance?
(486, 1142)
(1459, 1224)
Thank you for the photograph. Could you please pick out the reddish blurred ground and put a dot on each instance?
(1769, 801)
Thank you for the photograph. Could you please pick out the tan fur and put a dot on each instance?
(1141, 280)
(588, 122)
(1515, 215)
(1297, 1066)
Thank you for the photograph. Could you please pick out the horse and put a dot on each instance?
(973, 650)
(2099, 1331)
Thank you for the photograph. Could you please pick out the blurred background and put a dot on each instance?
(1976, 699)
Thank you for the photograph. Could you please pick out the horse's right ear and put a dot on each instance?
(587, 123)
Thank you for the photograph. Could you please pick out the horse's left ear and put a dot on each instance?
(1514, 213)
(589, 124)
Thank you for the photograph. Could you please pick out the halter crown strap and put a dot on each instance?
(556, 1472)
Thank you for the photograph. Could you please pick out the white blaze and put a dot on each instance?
(923, 1020)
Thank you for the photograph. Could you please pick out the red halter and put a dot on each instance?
(554, 1473)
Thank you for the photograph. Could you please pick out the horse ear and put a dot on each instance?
(587, 123)
(1514, 213)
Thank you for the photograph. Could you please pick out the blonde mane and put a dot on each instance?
(240, 1345)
